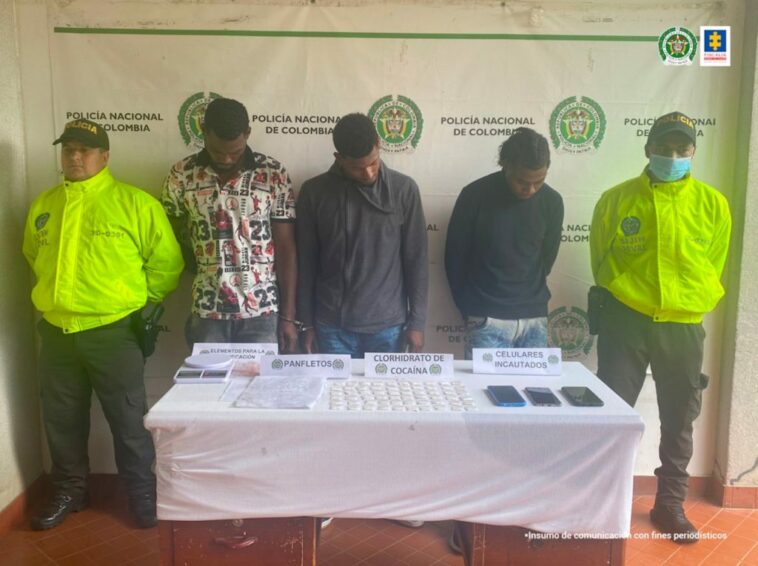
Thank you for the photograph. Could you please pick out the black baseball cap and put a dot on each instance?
(673, 122)
(88, 132)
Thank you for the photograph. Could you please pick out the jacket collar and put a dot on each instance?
(671, 186)
(249, 159)
(380, 195)
(94, 183)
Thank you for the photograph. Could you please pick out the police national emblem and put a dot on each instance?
(41, 220)
(677, 46)
(398, 122)
(569, 330)
(630, 225)
(577, 125)
(191, 118)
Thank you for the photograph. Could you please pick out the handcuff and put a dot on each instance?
(301, 326)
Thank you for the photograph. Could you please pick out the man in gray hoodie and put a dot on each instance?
(362, 252)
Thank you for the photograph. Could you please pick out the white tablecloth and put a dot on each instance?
(552, 469)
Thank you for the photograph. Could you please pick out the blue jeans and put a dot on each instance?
(486, 332)
(334, 340)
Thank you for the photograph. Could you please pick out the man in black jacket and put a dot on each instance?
(501, 244)
(362, 251)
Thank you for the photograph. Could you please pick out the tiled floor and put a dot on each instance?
(103, 535)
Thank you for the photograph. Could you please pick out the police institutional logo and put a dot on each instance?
(630, 225)
(41, 220)
(398, 122)
(191, 118)
(569, 329)
(677, 46)
(577, 125)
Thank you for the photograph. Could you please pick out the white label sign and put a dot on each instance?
(246, 355)
(239, 351)
(518, 361)
(407, 365)
(322, 365)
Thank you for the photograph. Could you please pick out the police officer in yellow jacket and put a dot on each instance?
(100, 250)
(658, 247)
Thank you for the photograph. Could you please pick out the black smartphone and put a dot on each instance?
(505, 396)
(581, 397)
(542, 397)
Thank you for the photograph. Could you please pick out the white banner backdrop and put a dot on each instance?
(470, 75)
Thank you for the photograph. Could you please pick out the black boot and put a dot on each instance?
(56, 510)
(673, 522)
(142, 506)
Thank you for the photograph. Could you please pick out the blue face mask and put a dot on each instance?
(669, 169)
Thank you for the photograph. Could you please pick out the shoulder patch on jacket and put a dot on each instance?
(41, 220)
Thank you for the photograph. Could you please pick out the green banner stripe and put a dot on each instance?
(355, 35)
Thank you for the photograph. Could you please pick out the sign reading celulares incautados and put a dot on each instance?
(518, 361)
(320, 365)
(408, 365)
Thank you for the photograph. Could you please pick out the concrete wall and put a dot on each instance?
(20, 458)
(737, 449)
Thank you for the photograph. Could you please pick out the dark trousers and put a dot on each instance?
(627, 342)
(109, 361)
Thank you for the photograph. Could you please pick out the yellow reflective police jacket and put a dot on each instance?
(660, 248)
(99, 249)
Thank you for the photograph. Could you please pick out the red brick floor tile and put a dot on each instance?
(24, 555)
(343, 559)
(57, 546)
(678, 559)
(724, 523)
(369, 546)
(735, 547)
(698, 551)
(346, 540)
(104, 534)
(450, 560)
(715, 559)
(644, 559)
(384, 558)
(400, 549)
(152, 559)
(752, 558)
(78, 559)
(102, 552)
(746, 529)
(420, 559)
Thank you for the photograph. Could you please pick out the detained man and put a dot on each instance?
(233, 210)
(502, 241)
(362, 250)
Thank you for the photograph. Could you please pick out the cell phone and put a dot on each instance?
(542, 397)
(581, 397)
(505, 396)
(192, 375)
